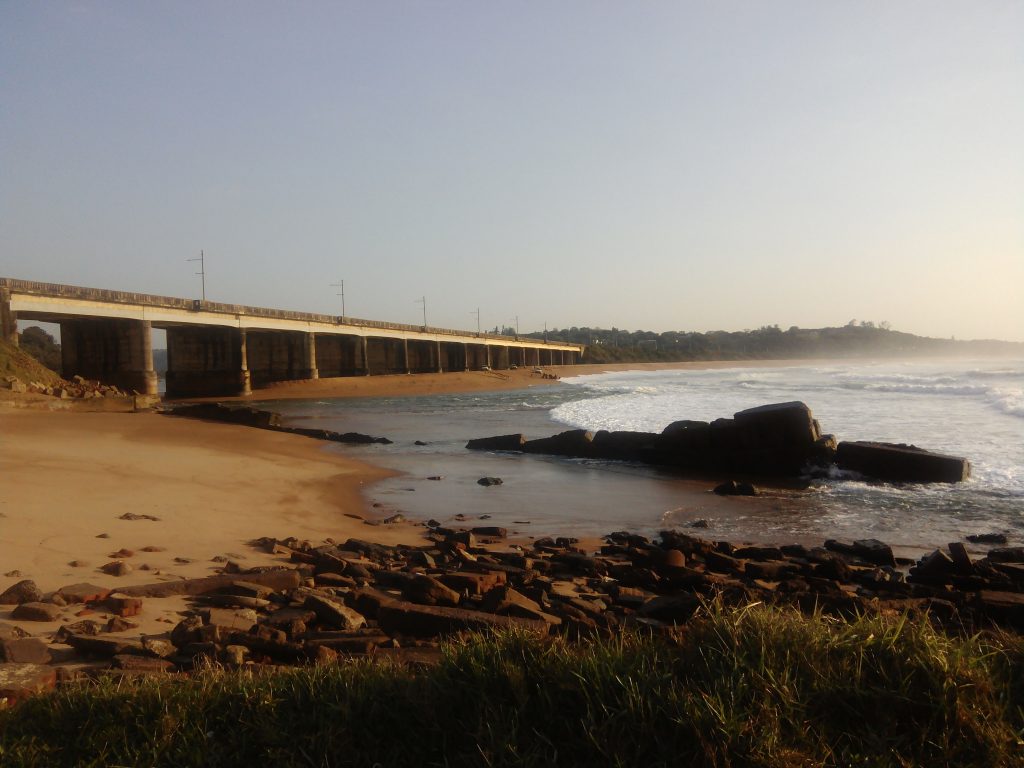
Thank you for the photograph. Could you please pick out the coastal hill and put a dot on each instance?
(864, 339)
(23, 365)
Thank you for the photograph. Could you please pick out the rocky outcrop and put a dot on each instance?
(781, 440)
(255, 417)
(901, 463)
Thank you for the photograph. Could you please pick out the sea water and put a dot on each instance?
(970, 408)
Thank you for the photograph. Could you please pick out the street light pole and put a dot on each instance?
(342, 294)
(477, 313)
(202, 270)
(423, 301)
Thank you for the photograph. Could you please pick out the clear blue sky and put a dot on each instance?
(659, 165)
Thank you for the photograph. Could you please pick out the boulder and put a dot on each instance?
(498, 443)
(733, 488)
(576, 443)
(333, 613)
(24, 591)
(898, 463)
(36, 612)
(426, 590)
(25, 650)
(430, 621)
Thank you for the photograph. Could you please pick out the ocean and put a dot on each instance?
(970, 408)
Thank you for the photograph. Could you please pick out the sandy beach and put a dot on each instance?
(68, 478)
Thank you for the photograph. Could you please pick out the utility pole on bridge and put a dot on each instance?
(202, 270)
(341, 285)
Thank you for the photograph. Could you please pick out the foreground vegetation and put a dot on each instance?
(756, 686)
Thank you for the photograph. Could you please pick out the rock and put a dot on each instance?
(11, 632)
(396, 518)
(104, 646)
(117, 624)
(25, 650)
(36, 612)
(936, 567)
(487, 481)
(334, 614)
(1006, 554)
(117, 568)
(130, 516)
(427, 590)
(141, 664)
(234, 655)
(473, 583)
(898, 463)
(83, 593)
(575, 442)
(430, 621)
(24, 591)
(498, 443)
(123, 605)
(987, 538)
(492, 531)
(277, 578)
(874, 551)
(241, 619)
(733, 488)
(671, 608)
(20, 681)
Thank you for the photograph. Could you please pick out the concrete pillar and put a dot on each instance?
(405, 352)
(366, 355)
(118, 352)
(8, 318)
(465, 356)
(245, 378)
(487, 347)
(440, 364)
(309, 362)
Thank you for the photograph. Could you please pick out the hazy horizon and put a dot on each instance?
(689, 167)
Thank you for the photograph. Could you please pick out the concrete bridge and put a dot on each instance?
(227, 349)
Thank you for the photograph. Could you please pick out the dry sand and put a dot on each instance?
(66, 478)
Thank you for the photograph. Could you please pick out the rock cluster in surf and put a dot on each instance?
(779, 440)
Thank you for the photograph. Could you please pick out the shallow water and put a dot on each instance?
(970, 408)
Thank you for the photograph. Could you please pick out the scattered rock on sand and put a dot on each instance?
(488, 481)
(733, 488)
(987, 538)
(36, 612)
(24, 591)
(116, 568)
(134, 516)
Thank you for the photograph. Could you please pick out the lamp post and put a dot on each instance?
(202, 270)
(341, 285)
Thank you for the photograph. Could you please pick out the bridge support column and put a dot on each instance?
(405, 352)
(440, 364)
(243, 353)
(309, 362)
(487, 347)
(207, 361)
(366, 355)
(8, 318)
(118, 352)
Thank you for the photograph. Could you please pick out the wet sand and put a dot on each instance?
(398, 385)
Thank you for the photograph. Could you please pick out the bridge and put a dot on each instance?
(227, 349)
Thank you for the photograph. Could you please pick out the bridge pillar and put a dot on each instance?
(8, 318)
(365, 347)
(440, 365)
(118, 352)
(207, 360)
(309, 362)
(405, 353)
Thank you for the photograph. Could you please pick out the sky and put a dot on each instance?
(656, 165)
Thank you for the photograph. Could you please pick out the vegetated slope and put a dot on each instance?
(767, 343)
(41, 345)
(18, 363)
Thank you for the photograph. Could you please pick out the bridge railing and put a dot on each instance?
(59, 290)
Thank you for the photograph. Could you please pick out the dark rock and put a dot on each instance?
(426, 590)
(333, 613)
(490, 530)
(733, 488)
(24, 591)
(874, 551)
(36, 612)
(486, 481)
(498, 443)
(575, 442)
(671, 608)
(1006, 554)
(934, 568)
(25, 650)
(987, 538)
(431, 621)
(899, 463)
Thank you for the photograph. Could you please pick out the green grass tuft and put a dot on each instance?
(756, 686)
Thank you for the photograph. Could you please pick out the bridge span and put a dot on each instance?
(227, 349)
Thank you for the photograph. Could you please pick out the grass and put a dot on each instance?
(756, 686)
